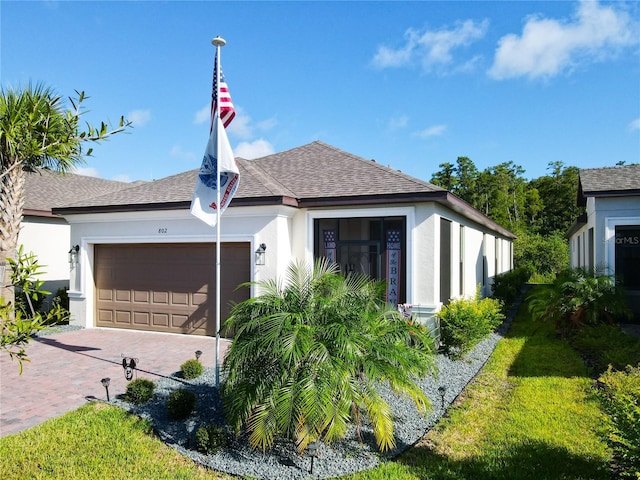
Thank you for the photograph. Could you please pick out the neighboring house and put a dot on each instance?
(48, 235)
(146, 263)
(607, 235)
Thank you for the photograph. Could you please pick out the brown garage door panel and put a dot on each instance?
(167, 287)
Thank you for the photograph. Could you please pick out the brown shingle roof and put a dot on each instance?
(46, 190)
(315, 174)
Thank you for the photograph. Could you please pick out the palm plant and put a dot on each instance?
(36, 132)
(307, 357)
(579, 297)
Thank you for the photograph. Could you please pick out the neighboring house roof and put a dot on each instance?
(313, 175)
(46, 190)
(608, 182)
(604, 182)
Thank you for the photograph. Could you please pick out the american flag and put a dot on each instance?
(227, 112)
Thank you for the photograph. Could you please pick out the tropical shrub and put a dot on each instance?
(579, 297)
(20, 320)
(191, 369)
(507, 286)
(62, 297)
(603, 345)
(621, 400)
(466, 321)
(180, 403)
(308, 355)
(210, 438)
(139, 391)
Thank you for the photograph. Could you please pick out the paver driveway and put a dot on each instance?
(66, 368)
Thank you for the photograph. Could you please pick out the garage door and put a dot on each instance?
(167, 287)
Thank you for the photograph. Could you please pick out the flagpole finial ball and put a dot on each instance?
(218, 41)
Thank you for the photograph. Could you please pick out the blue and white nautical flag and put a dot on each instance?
(218, 154)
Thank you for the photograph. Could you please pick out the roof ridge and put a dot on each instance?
(612, 167)
(381, 166)
(270, 181)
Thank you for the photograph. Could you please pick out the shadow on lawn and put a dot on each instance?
(530, 460)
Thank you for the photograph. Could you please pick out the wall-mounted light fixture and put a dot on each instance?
(73, 255)
(260, 256)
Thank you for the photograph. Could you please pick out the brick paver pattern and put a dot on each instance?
(65, 370)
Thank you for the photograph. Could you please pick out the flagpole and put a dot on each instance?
(218, 42)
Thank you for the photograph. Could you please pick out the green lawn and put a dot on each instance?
(528, 415)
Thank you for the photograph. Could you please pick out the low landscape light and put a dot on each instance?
(312, 450)
(198, 354)
(442, 390)
(105, 383)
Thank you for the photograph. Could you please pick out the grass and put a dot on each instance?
(96, 441)
(529, 414)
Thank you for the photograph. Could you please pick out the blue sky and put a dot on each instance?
(409, 84)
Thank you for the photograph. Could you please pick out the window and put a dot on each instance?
(445, 260)
(374, 246)
(461, 253)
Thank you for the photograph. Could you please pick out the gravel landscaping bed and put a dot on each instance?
(340, 458)
(57, 329)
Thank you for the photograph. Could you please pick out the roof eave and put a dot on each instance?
(612, 193)
(580, 222)
(145, 207)
(460, 206)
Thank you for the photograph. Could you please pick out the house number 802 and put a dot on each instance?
(162, 230)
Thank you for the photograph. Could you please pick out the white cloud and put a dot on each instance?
(242, 125)
(635, 124)
(123, 177)
(86, 171)
(433, 131)
(396, 123)
(548, 47)
(256, 149)
(139, 118)
(203, 115)
(432, 48)
(178, 152)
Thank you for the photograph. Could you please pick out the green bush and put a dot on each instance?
(62, 297)
(507, 286)
(210, 439)
(191, 369)
(621, 400)
(181, 403)
(139, 391)
(464, 322)
(603, 345)
(540, 254)
(579, 297)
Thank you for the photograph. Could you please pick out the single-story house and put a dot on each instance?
(607, 235)
(146, 263)
(48, 235)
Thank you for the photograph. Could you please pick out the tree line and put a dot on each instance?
(539, 211)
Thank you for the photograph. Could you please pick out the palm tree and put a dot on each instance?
(578, 297)
(307, 357)
(36, 132)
